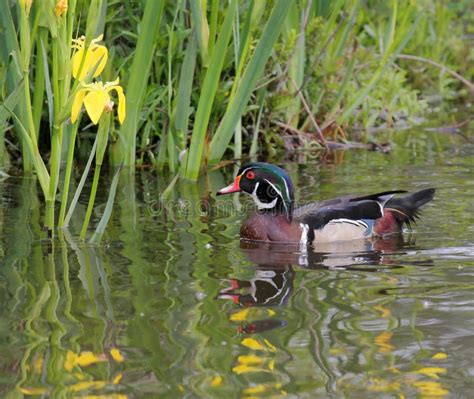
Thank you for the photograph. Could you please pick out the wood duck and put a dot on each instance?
(344, 218)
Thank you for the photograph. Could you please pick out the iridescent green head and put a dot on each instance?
(269, 186)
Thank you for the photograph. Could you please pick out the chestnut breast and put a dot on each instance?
(270, 227)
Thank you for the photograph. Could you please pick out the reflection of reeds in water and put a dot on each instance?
(154, 298)
(50, 330)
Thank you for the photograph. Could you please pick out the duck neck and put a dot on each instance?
(278, 210)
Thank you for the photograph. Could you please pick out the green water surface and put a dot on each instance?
(172, 305)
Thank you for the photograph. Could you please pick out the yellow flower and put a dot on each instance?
(61, 8)
(96, 99)
(96, 56)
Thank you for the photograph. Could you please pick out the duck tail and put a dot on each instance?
(402, 210)
(406, 209)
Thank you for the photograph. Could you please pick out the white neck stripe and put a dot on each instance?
(279, 194)
(262, 205)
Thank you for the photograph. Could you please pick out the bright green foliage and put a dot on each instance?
(206, 80)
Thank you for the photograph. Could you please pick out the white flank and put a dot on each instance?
(341, 230)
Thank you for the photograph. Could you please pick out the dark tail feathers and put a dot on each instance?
(407, 209)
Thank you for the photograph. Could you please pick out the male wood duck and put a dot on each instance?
(344, 218)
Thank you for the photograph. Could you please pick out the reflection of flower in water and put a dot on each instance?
(82, 359)
(385, 312)
(256, 345)
(398, 381)
(72, 366)
(383, 342)
(255, 363)
(116, 355)
(264, 389)
(432, 371)
(430, 389)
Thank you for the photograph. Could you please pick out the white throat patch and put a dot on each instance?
(262, 205)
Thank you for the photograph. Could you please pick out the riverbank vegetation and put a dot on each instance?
(196, 82)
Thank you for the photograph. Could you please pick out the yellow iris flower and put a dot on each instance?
(96, 99)
(96, 55)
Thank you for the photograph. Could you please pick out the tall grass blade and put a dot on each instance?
(10, 54)
(139, 74)
(183, 99)
(213, 24)
(104, 220)
(49, 89)
(206, 99)
(295, 25)
(80, 186)
(198, 14)
(41, 64)
(31, 145)
(260, 101)
(253, 71)
(10, 103)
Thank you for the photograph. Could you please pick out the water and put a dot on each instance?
(171, 304)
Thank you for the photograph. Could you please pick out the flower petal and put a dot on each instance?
(97, 55)
(97, 39)
(121, 103)
(77, 104)
(76, 61)
(95, 102)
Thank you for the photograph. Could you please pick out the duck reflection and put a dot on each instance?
(271, 286)
(371, 254)
(274, 276)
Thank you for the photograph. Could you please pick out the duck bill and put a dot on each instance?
(231, 188)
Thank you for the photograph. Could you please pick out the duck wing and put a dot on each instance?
(342, 218)
(343, 205)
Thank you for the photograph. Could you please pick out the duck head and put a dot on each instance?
(269, 186)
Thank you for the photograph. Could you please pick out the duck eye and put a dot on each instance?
(250, 175)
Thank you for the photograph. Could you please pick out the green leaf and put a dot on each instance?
(104, 220)
(139, 73)
(253, 71)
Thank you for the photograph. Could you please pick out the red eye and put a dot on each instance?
(250, 175)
